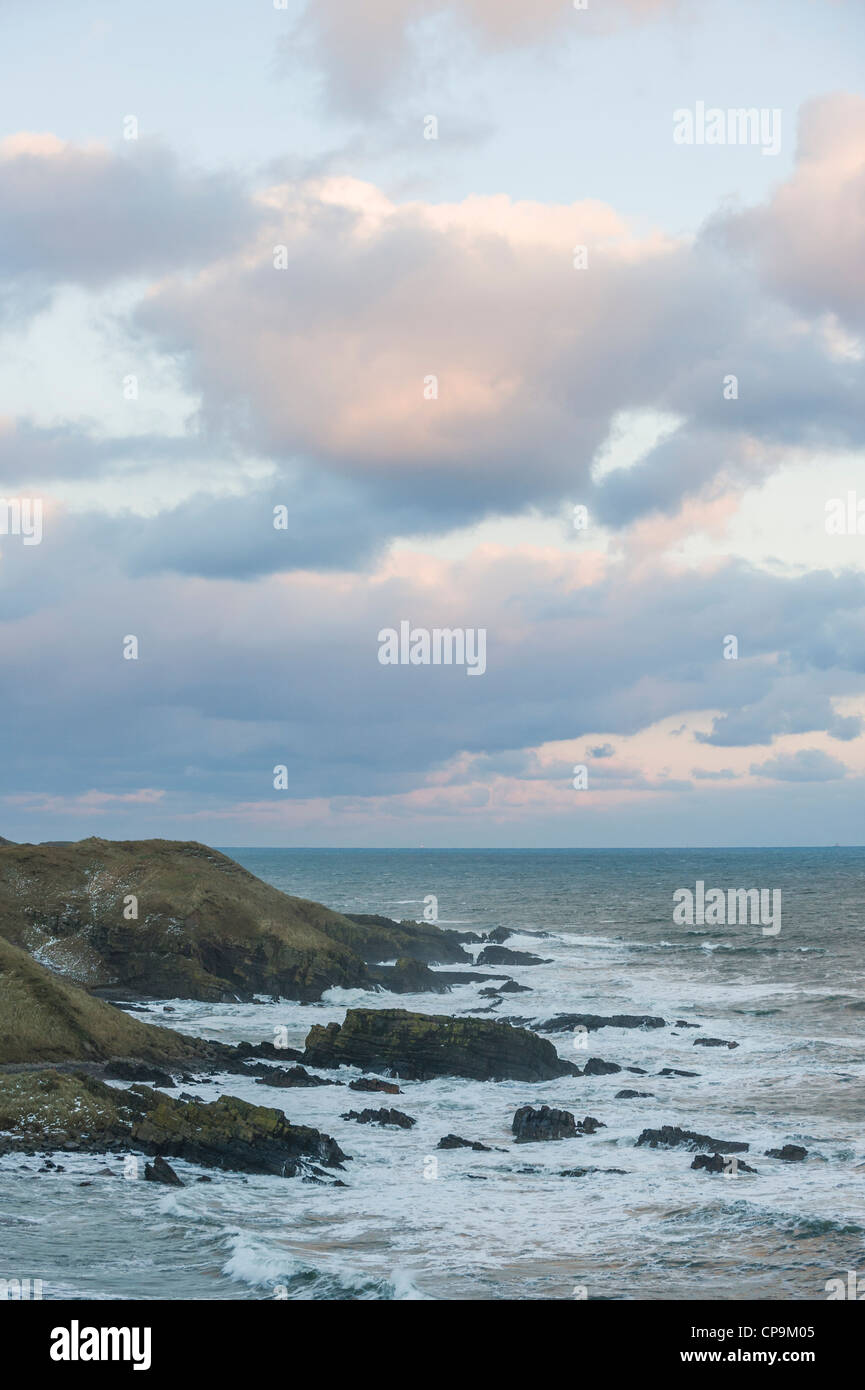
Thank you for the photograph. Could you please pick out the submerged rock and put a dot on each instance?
(714, 1163)
(790, 1153)
(420, 1046)
(381, 1117)
(160, 1171)
(713, 1042)
(633, 1095)
(671, 1137)
(586, 1172)
(671, 1071)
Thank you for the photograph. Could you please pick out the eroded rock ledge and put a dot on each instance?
(419, 1046)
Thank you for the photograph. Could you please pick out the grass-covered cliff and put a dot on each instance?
(171, 918)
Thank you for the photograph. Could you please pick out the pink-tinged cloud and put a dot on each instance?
(809, 240)
(366, 50)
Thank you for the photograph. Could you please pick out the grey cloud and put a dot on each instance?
(234, 678)
(808, 765)
(90, 215)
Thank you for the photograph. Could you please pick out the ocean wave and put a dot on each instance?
(263, 1265)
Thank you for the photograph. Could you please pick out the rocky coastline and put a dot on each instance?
(82, 1071)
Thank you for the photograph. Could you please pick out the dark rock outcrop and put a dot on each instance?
(503, 955)
(633, 1095)
(713, 1042)
(230, 1133)
(125, 1070)
(420, 1046)
(41, 1109)
(292, 1076)
(385, 938)
(563, 1023)
(413, 977)
(671, 1071)
(374, 1083)
(381, 1117)
(714, 1163)
(530, 1125)
(596, 1066)
(790, 1153)
(160, 1171)
(671, 1137)
(453, 1141)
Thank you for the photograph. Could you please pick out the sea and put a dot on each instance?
(589, 1218)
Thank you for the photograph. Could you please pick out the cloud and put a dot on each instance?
(807, 765)
(808, 241)
(89, 215)
(366, 51)
(424, 352)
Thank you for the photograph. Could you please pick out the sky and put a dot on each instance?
(319, 319)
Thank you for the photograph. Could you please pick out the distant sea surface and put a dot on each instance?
(510, 1224)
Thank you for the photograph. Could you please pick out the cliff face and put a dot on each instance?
(168, 918)
(46, 1019)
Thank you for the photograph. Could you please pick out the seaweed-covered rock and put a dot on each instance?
(381, 1117)
(531, 1125)
(420, 1046)
(671, 1137)
(66, 1110)
(231, 1133)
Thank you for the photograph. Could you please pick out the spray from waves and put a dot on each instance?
(281, 1275)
